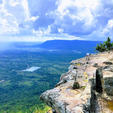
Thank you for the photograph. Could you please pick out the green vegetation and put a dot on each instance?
(19, 90)
(106, 46)
(44, 109)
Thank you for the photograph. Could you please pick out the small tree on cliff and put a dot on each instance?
(106, 46)
(101, 47)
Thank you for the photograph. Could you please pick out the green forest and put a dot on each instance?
(20, 90)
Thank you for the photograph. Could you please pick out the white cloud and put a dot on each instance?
(26, 9)
(84, 18)
(90, 19)
(60, 30)
(72, 16)
(34, 18)
(15, 16)
(13, 3)
(108, 30)
(8, 22)
(79, 9)
(42, 31)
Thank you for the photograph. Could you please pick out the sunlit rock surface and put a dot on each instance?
(89, 97)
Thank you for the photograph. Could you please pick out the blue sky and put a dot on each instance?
(40, 20)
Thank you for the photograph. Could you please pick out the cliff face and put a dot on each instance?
(86, 88)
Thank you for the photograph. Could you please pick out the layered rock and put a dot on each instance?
(86, 88)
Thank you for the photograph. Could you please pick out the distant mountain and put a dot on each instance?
(55, 45)
(67, 45)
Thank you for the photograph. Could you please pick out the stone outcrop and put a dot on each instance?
(86, 88)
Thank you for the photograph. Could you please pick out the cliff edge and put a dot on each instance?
(87, 87)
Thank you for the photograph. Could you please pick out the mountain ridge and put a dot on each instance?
(67, 45)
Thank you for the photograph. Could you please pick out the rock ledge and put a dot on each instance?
(78, 90)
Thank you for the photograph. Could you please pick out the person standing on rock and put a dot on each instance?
(87, 57)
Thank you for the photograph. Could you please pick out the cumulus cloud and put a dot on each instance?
(88, 19)
(108, 30)
(15, 16)
(7, 21)
(79, 18)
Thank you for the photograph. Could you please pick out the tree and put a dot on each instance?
(101, 47)
(106, 46)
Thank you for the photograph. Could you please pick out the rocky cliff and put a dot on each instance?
(86, 88)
